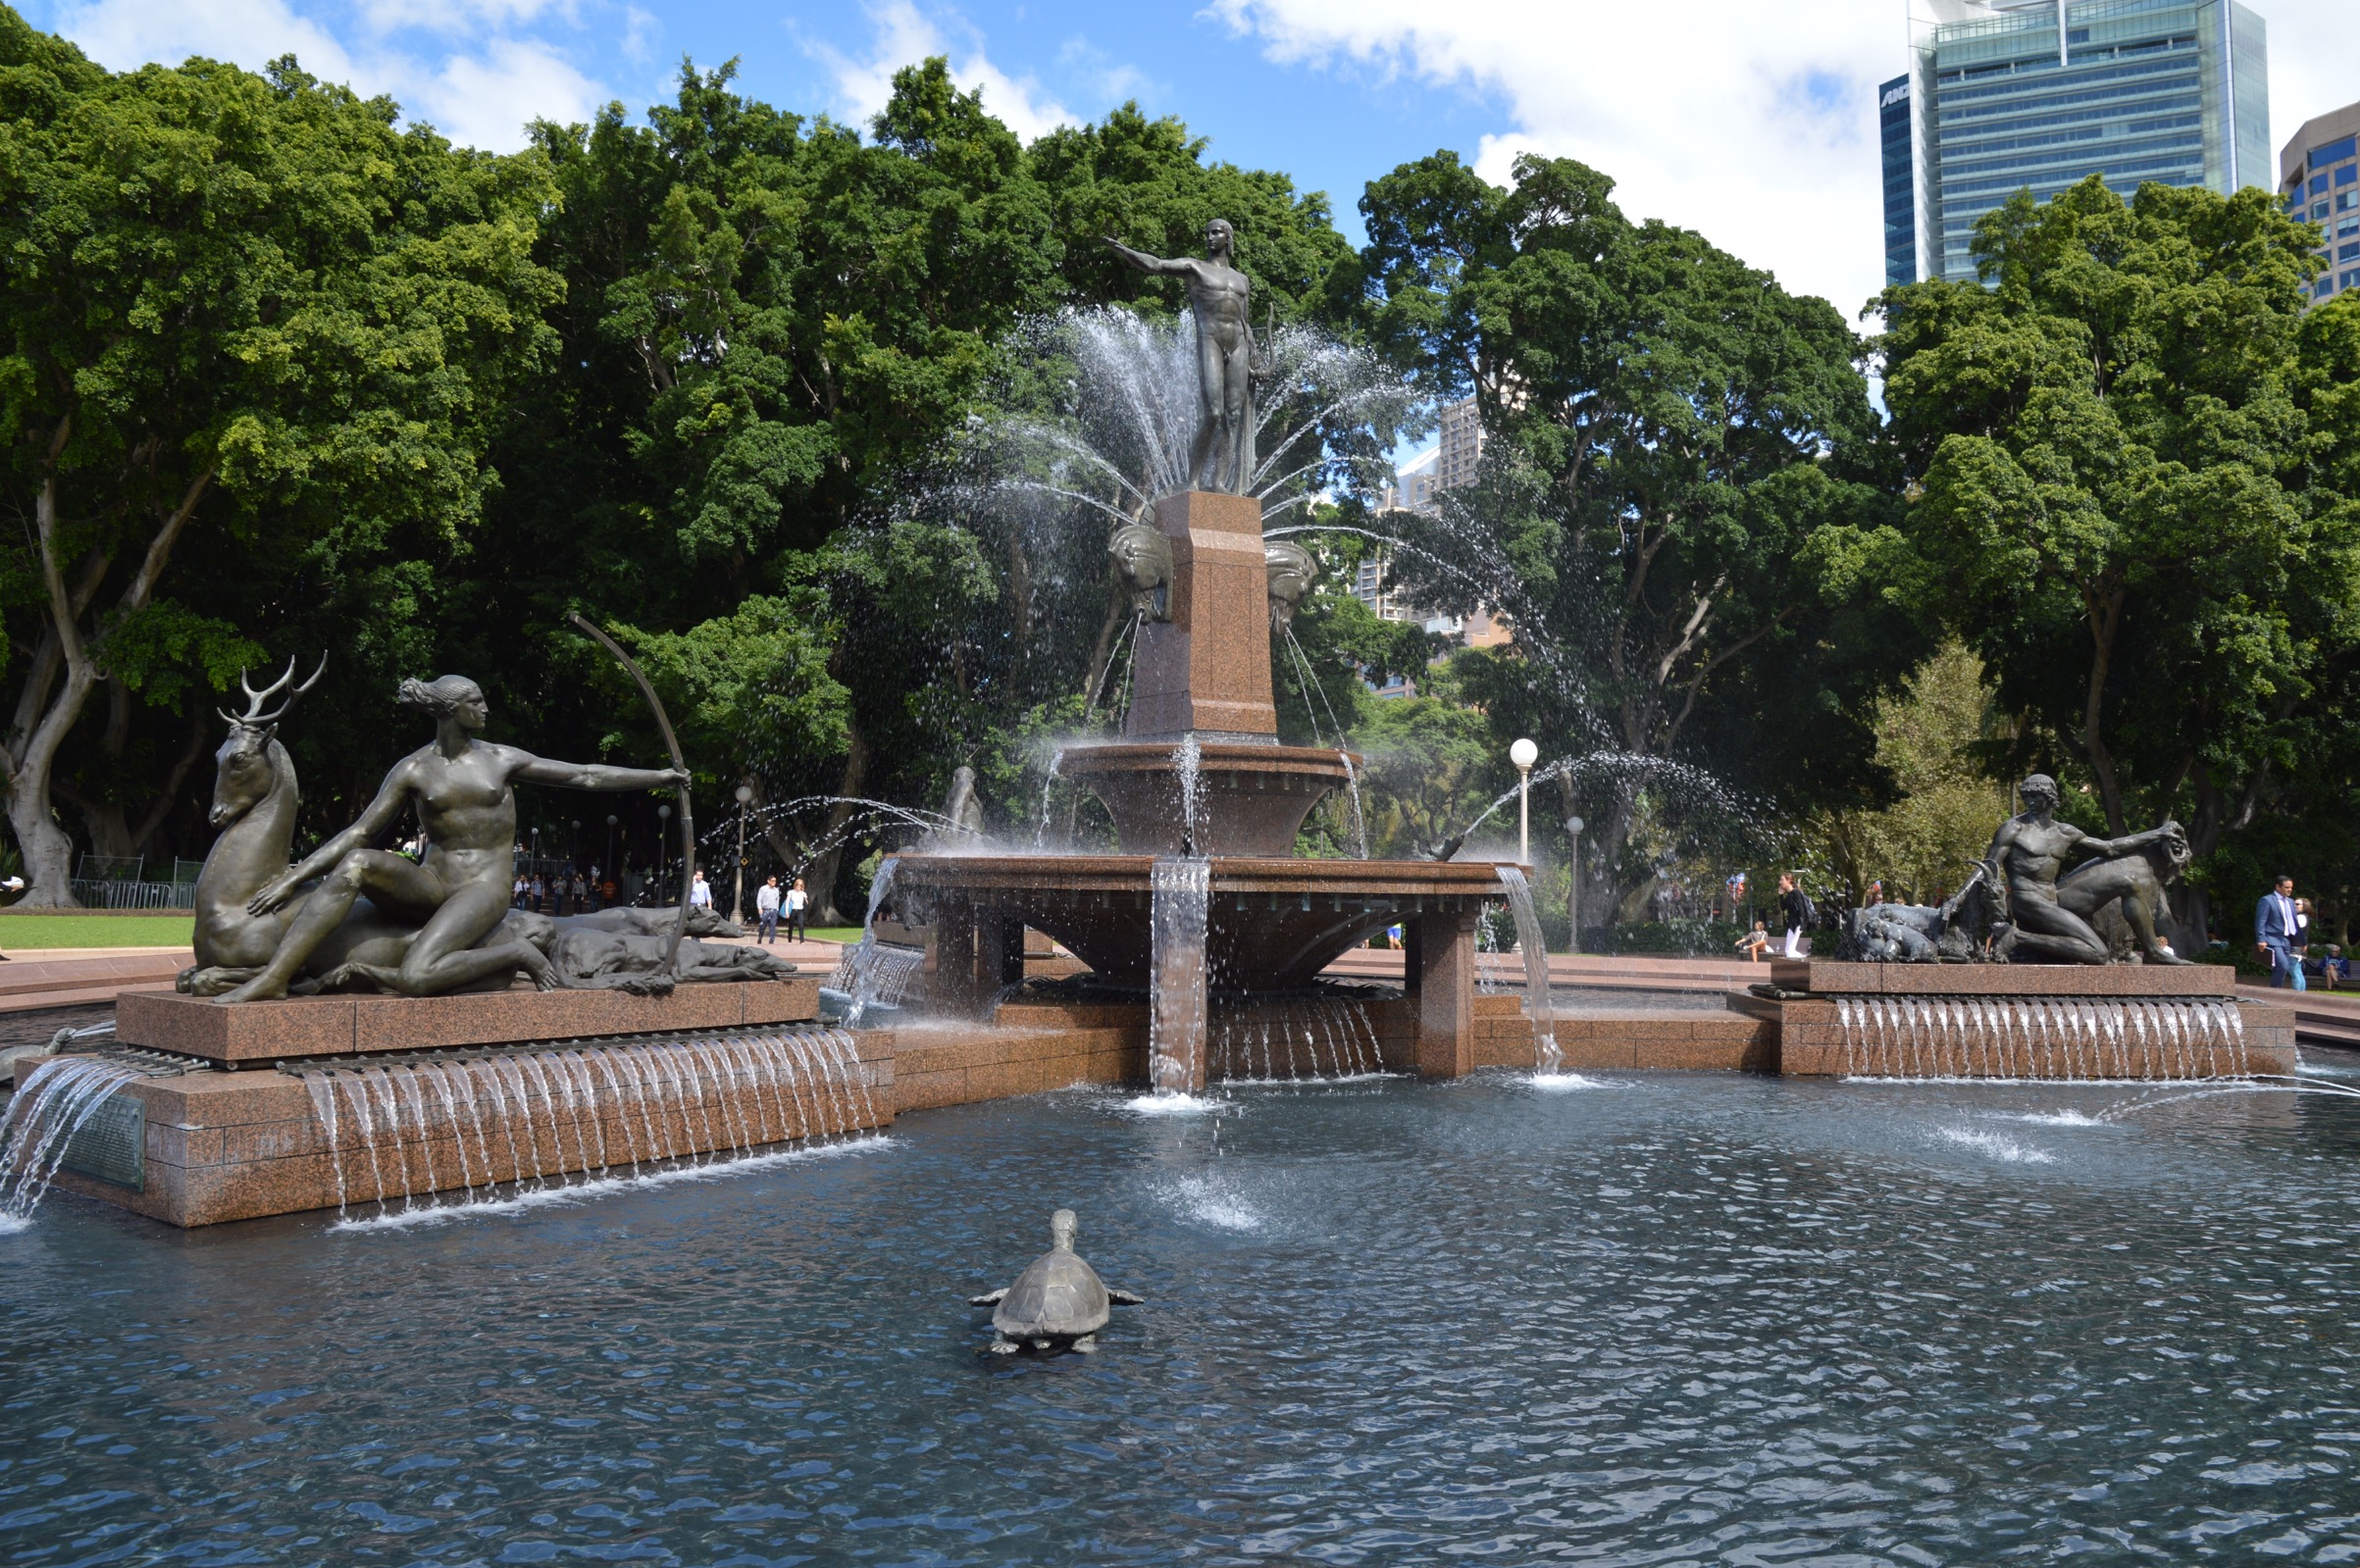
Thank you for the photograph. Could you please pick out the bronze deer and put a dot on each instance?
(254, 801)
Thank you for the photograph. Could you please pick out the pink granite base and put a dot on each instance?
(305, 1028)
(221, 1147)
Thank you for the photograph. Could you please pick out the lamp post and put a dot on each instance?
(1573, 887)
(1523, 754)
(611, 820)
(663, 844)
(745, 793)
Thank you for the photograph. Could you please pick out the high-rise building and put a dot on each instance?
(1460, 450)
(1893, 134)
(2040, 94)
(1454, 461)
(2318, 172)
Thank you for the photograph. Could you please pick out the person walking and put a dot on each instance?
(2277, 929)
(1794, 913)
(700, 895)
(766, 911)
(798, 903)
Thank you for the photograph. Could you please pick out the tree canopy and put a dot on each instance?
(2131, 453)
(281, 374)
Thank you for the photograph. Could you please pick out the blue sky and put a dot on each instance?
(1752, 123)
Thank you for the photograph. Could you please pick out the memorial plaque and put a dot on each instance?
(112, 1145)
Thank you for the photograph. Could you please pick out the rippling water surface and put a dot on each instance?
(1658, 1319)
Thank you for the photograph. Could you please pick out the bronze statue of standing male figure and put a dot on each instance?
(463, 791)
(1221, 458)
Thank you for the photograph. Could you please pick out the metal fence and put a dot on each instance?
(94, 894)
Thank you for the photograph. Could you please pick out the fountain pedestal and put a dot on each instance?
(1441, 976)
(2069, 1021)
(1195, 673)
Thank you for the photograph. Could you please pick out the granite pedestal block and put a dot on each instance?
(2019, 1021)
(216, 1146)
(304, 1027)
(1208, 667)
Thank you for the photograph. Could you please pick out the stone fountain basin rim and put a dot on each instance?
(1230, 874)
(1223, 756)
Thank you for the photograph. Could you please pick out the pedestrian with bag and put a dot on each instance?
(798, 902)
(1795, 912)
(2276, 930)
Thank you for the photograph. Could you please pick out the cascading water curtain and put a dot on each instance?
(1180, 893)
(412, 1127)
(1547, 1058)
(56, 1099)
(2071, 1039)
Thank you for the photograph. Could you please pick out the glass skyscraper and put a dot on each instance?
(2318, 172)
(2043, 94)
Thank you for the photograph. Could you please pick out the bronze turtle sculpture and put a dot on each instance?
(1058, 1302)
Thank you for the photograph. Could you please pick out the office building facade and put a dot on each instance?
(2041, 94)
(2319, 174)
(1454, 461)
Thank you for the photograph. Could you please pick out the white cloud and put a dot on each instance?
(125, 34)
(452, 62)
(485, 100)
(1754, 123)
(2312, 46)
(903, 38)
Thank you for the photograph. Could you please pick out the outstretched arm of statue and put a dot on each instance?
(1176, 267)
(593, 775)
(2129, 843)
(366, 830)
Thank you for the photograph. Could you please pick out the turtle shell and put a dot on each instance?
(1059, 1296)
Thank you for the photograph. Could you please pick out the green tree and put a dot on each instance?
(1678, 517)
(242, 309)
(1933, 738)
(2131, 459)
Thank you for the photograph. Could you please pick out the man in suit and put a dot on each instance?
(2277, 929)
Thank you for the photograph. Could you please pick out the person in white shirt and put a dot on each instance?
(766, 911)
(701, 896)
(798, 902)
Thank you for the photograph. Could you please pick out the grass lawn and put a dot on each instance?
(833, 933)
(68, 930)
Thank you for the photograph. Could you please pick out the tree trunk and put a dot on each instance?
(48, 851)
(109, 824)
(168, 796)
(825, 864)
(31, 756)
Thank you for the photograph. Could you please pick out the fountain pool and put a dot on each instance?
(1695, 1318)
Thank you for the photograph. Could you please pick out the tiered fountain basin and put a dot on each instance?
(2019, 1021)
(1273, 923)
(1252, 798)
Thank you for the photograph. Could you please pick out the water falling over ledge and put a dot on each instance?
(2053, 1038)
(455, 1127)
(1180, 891)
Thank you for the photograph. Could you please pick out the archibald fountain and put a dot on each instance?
(418, 1037)
(1206, 896)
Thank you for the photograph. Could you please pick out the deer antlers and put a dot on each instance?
(254, 718)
